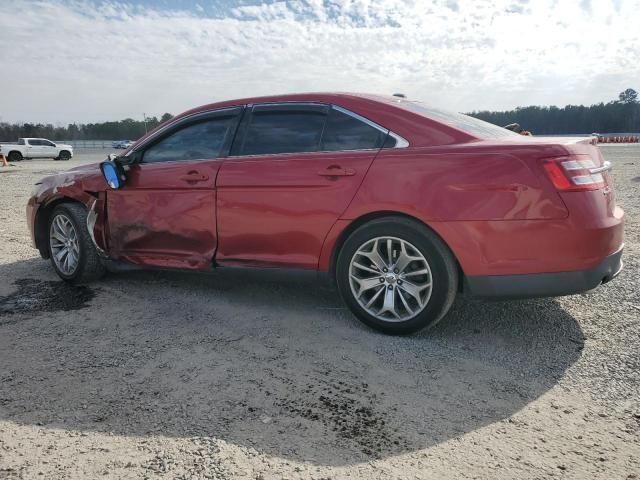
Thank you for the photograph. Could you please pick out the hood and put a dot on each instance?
(87, 178)
(89, 167)
(64, 145)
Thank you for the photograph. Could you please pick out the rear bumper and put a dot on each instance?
(545, 284)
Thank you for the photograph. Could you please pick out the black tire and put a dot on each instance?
(14, 156)
(64, 155)
(89, 267)
(444, 272)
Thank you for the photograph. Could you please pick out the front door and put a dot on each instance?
(293, 170)
(48, 149)
(165, 214)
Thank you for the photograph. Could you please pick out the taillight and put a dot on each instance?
(570, 174)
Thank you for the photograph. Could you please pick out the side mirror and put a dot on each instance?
(113, 173)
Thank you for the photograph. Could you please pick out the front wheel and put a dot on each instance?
(396, 275)
(72, 252)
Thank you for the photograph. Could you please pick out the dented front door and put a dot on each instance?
(165, 215)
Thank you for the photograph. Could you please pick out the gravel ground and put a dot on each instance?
(265, 375)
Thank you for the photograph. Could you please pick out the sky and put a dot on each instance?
(91, 60)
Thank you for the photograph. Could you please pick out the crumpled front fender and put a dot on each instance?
(85, 187)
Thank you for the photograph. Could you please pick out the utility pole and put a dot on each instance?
(144, 116)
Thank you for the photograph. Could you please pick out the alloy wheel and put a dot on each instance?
(63, 240)
(390, 279)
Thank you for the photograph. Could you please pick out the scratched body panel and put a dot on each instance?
(159, 220)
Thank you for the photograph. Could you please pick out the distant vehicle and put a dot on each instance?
(402, 204)
(122, 144)
(36, 148)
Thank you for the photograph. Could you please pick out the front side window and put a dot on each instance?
(283, 131)
(345, 132)
(198, 141)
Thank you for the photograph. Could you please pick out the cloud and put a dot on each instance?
(84, 61)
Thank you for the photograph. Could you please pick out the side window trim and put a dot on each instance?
(240, 136)
(138, 154)
(361, 118)
(400, 141)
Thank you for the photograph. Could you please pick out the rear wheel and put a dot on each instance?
(14, 156)
(64, 155)
(72, 252)
(396, 275)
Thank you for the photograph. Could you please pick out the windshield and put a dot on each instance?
(470, 125)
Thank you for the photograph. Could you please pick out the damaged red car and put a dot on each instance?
(403, 205)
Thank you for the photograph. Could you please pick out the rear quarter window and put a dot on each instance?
(345, 132)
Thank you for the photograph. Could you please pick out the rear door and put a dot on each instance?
(293, 170)
(165, 214)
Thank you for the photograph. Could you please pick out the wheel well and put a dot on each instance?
(358, 222)
(14, 151)
(42, 223)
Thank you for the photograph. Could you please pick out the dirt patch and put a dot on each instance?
(349, 410)
(34, 296)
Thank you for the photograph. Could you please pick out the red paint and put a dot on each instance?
(166, 215)
(491, 201)
(277, 209)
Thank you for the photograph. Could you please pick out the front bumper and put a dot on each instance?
(32, 211)
(545, 284)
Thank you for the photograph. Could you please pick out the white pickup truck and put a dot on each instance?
(35, 148)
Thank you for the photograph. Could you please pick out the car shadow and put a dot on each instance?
(266, 360)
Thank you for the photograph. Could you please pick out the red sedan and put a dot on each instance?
(403, 205)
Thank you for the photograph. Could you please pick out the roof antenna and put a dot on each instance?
(400, 95)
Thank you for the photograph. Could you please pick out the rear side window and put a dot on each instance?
(346, 132)
(283, 131)
(199, 141)
(21, 141)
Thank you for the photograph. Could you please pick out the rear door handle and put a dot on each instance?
(193, 177)
(337, 171)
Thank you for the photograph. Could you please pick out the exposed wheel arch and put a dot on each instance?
(358, 222)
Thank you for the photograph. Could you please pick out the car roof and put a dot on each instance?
(320, 97)
(384, 110)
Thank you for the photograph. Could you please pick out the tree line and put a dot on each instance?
(621, 115)
(617, 116)
(127, 129)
